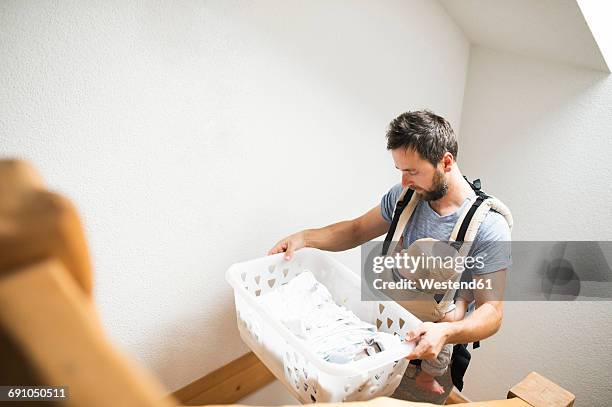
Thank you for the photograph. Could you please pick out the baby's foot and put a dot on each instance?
(427, 382)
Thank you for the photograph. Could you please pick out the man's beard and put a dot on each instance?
(439, 188)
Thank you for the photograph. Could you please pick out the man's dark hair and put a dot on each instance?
(428, 134)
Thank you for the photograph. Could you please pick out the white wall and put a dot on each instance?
(538, 135)
(192, 135)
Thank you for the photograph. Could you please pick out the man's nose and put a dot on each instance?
(405, 180)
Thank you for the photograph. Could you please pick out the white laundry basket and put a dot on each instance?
(306, 375)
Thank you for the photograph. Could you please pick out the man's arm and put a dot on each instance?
(483, 322)
(336, 237)
(486, 319)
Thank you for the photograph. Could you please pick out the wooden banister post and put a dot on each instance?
(53, 323)
(538, 391)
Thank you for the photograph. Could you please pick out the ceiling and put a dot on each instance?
(549, 29)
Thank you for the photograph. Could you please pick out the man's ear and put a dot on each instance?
(447, 162)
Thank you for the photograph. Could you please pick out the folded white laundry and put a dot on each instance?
(335, 333)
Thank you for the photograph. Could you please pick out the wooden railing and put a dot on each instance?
(228, 384)
(239, 378)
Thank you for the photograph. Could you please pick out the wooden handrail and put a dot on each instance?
(238, 379)
(456, 398)
(228, 384)
(225, 385)
(539, 391)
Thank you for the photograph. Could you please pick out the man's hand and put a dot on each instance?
(430, 338)
(289, 245)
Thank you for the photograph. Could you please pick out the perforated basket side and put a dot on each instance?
(253, 278)
(393, 318)
(265, 276)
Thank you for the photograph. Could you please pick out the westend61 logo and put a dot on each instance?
(407, 263)
(427, 266)
(500, 270)
(424, 272)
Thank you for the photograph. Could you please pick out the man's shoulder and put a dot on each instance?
(387, 203)
(493, 243)
(494, 227)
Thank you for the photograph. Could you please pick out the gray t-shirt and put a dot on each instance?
(425, 222)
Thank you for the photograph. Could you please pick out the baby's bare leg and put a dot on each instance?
(430, 369)
(427, 382)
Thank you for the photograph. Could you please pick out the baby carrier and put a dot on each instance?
(431, 304)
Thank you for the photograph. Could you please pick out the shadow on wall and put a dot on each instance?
(579, 269)
(560, 271)
(524, 95)
(539, 130)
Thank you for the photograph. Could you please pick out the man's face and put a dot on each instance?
(420, 174)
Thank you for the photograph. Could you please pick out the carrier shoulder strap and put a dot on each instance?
(470, 220)
(404, 208)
